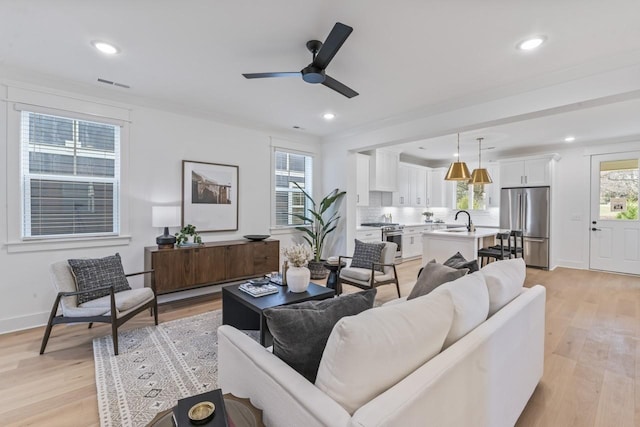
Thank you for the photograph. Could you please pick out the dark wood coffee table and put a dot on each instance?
(243, 311)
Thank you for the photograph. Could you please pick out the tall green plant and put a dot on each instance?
(319, 223)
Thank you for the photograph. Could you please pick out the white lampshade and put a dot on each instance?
(165, 216)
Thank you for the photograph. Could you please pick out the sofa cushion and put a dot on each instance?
(458, 261)
(471, 304)
(367, 253)
(433, 275)
(97, 273)
(300, 331)
(368, 353)
(504, 281)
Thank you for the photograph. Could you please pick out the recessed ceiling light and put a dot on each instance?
(105, 47)
(532, 43)
(570, 139)
(329, 116)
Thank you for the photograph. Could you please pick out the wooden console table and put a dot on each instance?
(191, 267)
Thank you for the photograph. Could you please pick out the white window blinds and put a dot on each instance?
(70, 176)
(289, 168)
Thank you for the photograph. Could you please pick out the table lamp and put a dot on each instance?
(165, 216)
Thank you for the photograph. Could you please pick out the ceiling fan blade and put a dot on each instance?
(332, 44)
(332, 83)
(265, 75)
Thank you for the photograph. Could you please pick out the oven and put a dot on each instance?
(393, 234)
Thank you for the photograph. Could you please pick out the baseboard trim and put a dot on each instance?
(21, 323)
(577, 265)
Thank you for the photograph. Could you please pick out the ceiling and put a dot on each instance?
(415, 56)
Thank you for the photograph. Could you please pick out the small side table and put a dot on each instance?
(332, 280)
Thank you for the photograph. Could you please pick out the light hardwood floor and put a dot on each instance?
(592, 356)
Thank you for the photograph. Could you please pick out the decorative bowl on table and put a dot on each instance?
(260, 282)
(201, 413)
(257, 237)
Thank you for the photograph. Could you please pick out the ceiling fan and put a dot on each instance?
(322, 56)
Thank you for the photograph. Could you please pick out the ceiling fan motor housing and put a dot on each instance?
(311, 74)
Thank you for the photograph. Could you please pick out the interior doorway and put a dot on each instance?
(615, 227)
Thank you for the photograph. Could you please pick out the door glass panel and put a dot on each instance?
(619, 183)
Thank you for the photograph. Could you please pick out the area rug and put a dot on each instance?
(157, 365)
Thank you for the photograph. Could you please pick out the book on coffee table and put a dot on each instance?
(259, 291)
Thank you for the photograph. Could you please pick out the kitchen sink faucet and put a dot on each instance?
(469, 216)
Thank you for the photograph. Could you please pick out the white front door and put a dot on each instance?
(615, 228)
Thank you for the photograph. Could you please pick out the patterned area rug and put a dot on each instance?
(157, 366)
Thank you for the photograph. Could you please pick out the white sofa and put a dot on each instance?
(484, 378)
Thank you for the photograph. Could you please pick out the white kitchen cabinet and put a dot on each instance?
(493, 190)
(412, 182)
(383, 170)
(439, 191)
(402, 196)
(362, 176)
(369, 235)
(412, 241)
(525, 173)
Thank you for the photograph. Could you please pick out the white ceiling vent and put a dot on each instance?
(109, 82)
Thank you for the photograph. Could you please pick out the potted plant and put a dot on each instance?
(298, 274)
(182, 237)
(318, 224)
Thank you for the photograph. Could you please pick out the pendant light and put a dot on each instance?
(480, 175)
(458, 171)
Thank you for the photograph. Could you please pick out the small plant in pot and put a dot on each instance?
(319, 223)
(182, 237)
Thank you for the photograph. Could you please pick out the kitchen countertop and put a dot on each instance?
(464, 234)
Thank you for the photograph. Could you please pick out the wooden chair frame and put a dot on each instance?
(115, 321)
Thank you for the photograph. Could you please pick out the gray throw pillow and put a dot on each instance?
(458, 261)
(432, 276)
(300, 331)
(367, 253)
(97, 273)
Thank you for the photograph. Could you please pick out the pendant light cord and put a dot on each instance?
(479, 152)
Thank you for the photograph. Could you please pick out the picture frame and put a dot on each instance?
(210, 196)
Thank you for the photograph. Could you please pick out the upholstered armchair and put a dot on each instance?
(382, 272)
(116, 307)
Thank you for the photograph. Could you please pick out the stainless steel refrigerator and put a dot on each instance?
(528, 209)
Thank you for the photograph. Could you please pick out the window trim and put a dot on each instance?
(65, 106)
(278, 148)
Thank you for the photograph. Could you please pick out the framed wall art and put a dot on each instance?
(209, 196)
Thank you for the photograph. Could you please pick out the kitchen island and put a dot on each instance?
(442, 244)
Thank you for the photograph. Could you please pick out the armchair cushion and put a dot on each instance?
(300, 331)
(98, 273)
(365, 254)
(125, 300)
(459, 262)
(357, 273)
(433, 275)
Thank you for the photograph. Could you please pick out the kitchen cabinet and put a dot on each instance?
(493, 190)
(178, 269)
(362, 179)
(412, 241)
(369, 235)
(525, 173)
(439, 191)
(412, 182)
(383, 170)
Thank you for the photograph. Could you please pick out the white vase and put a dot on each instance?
(298, 279)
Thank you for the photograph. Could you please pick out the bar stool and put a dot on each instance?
(499, 252)
(516, 242)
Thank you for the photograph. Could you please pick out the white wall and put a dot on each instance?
(159, 141)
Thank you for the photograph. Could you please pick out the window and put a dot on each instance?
(291, 168)
(470, 196)
(70, 176)
(619, 182)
